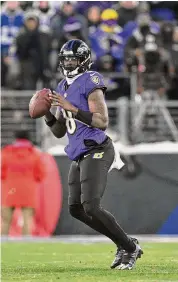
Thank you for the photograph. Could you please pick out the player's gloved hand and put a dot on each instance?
(59, 100)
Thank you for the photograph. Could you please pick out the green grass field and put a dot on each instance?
(48, 262)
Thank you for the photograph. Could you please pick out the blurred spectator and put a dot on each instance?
(11, 22)
(143, 53)
(106, 39)
(127, 11)
(93, 16)
(154, 69)
(22, 172)
(72, 29)
(169, 38)
(143, 8)
(174, 50)
(139, 28)
(167, 30)
(111, 28)
(26, 5)
(109, 18)
(33, 49)
(172, 93)
(83, 6)
(145, 32)
(58, 21)
(163, 10)
(116, 87)
(106, 64)
(45, 12)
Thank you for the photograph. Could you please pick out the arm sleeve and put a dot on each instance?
(94, 81)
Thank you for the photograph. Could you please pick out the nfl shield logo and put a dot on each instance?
(65, 95)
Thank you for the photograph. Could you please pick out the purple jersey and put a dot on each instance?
(77, 93)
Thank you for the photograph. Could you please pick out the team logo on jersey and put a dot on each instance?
(95, 79)
(98, 155)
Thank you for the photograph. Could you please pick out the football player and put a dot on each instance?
(82, 114)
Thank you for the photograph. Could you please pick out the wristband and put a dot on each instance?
(85, 117)
(51, 122)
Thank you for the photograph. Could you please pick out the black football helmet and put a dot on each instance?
(74, 58)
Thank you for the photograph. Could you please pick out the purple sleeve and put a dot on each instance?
(94, 81)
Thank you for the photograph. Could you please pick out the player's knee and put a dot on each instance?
(88, 208)
(91, 208)
(75, 210)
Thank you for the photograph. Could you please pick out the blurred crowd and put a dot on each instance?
(124, 36)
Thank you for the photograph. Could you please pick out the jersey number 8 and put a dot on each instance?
(70, 122)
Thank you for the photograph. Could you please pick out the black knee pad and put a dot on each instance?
(75, 210)
(92, 208)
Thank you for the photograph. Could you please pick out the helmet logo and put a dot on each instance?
(82, 49)
(95, 79)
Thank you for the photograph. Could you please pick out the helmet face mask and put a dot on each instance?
(70, 63)
(74, 58)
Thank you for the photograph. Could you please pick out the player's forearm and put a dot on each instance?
(99, 121)
(57, 127)
(93, 119)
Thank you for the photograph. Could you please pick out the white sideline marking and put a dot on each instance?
(87, 239)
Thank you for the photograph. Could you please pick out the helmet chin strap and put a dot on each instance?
(70, 74)
(70, 80)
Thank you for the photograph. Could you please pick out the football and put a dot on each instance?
(40, 103)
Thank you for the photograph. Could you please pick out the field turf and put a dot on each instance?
(69, 262)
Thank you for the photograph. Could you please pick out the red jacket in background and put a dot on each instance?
(22, 170)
